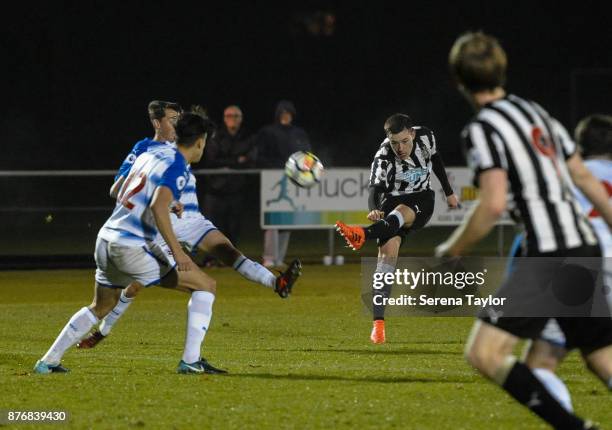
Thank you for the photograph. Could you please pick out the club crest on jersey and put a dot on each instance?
(131, 158)
(181, 182)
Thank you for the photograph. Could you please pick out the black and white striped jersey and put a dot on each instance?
(397, 177)
(519, 136)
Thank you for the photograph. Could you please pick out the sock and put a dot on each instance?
(555, 387)
(610, 383)
(77, 327)
(199, 313)
(378, 311)
(109, 320)
(254, 272)
(528, 390)
(385, 227)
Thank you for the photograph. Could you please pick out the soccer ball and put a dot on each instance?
(304, 169)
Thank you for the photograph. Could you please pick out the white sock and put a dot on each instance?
(109, 320)
(254, 271)
(382, 267)
(399, 216)
(199, 313)
(555, 387)
(77, 327)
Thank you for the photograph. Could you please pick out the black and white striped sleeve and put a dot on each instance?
(483, 147)
(430, 141)
(379, 175)
(568, 146)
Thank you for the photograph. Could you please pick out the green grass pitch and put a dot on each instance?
(305, 362)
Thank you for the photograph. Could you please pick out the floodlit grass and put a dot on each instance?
(305, 362)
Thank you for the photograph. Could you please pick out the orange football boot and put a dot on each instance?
(378, 332)
(354, 235)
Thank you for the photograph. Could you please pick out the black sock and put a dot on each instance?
(522, 384)
(382, 229)
(378, 311)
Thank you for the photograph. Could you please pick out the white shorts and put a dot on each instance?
(119, 265)
(189, 232)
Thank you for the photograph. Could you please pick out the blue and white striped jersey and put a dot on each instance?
(132, 222)
(140, 147)
(189, 197)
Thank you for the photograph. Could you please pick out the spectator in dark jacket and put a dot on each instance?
(275, 143)
(229, 148)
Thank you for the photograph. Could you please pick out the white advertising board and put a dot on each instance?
(342, 194)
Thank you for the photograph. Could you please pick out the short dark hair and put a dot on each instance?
(594, 135)
(190, 127)
(397, 122)
(478, 62)
(157, 108)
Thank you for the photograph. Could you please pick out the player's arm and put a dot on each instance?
(440, 171)
(590, 186)
(162, 198)
(438, 168)
(379, 184)
(375, 197)
(483, 216)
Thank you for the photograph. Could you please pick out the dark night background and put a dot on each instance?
(78, 75)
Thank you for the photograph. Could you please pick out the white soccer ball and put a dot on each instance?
(304, 169)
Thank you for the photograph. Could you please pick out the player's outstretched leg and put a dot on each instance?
(77, 327)
(217, 244)
(356, 236)
(253, 271)
(125, 299)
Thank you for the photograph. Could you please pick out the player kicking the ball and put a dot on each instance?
(193, 230)
(126, 251)
(401, 199)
